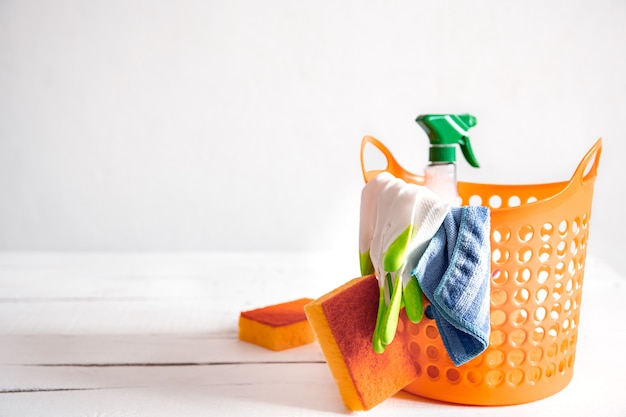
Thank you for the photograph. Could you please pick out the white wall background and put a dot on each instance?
(236, 125)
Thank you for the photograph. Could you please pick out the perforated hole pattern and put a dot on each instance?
(535, 298)
(537, 276)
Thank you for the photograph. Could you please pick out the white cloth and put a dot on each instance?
(389, 206)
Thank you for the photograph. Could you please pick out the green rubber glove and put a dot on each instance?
(387, 229)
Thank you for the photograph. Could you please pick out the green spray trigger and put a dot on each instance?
(445, 131)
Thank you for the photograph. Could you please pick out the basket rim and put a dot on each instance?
(584, 175)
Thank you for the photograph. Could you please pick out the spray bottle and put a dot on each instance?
(445, 131)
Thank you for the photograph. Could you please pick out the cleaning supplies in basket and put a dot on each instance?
(414, 241)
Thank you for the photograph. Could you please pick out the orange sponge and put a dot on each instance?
(277, 327)
(343, 321)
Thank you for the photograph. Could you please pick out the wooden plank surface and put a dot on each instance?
(156, 335)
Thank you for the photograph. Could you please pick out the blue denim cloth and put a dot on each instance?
(454, 274)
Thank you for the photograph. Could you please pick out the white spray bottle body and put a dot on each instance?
(441, 179)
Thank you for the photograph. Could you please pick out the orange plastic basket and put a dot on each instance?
(538, 246)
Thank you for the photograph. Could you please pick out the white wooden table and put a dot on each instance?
(156, 335)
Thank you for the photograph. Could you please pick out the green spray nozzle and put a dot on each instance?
(445, 131)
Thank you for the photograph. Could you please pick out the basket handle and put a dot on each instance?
(587, 169)
(392, 167)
